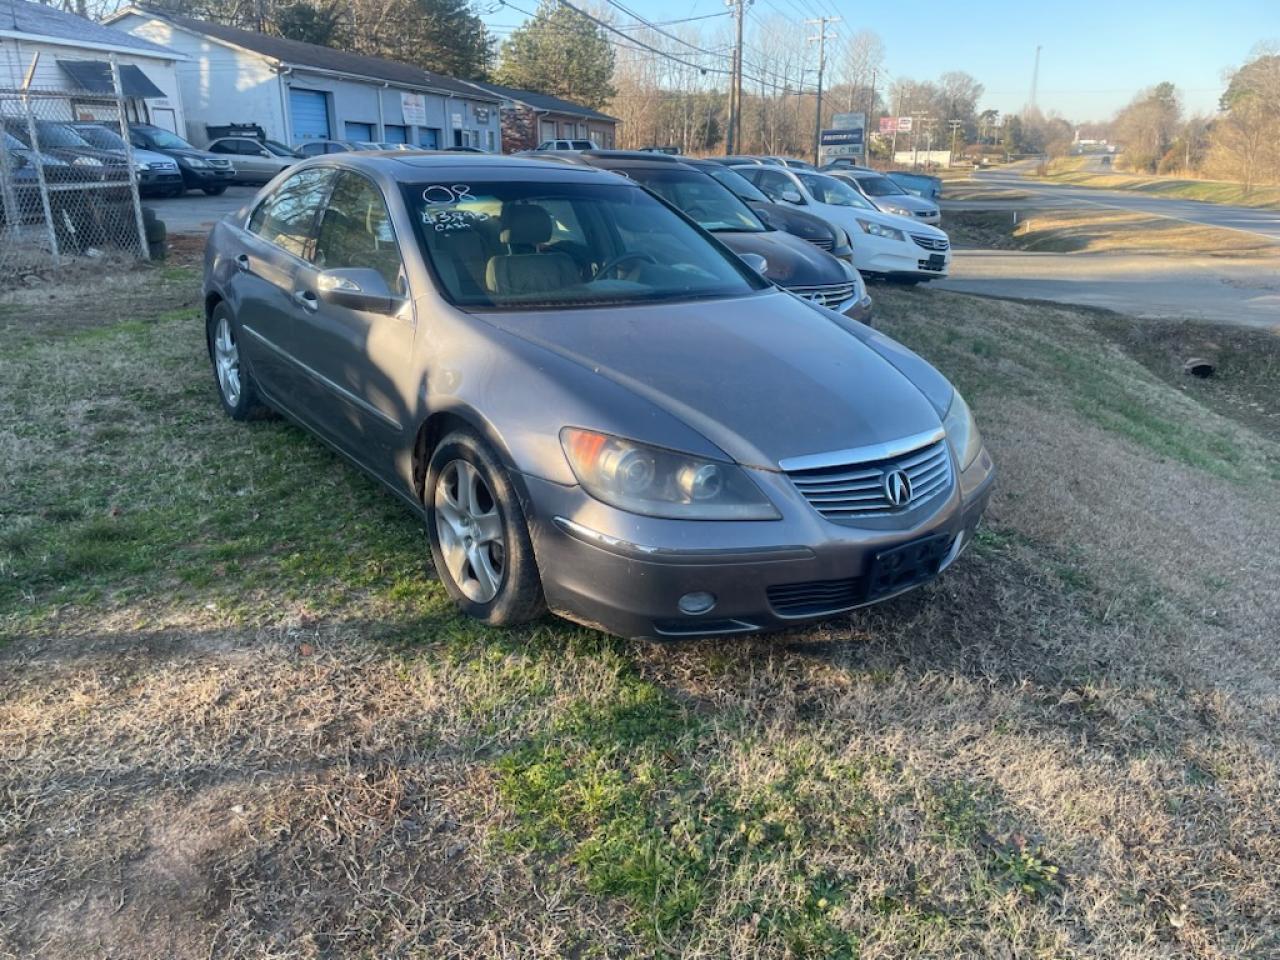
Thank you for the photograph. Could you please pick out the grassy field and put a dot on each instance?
(1071, 170)
(239, 719)
(1101, 230)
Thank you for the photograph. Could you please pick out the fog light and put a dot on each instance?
(697, 602)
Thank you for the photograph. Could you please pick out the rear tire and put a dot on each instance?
(478, 535)
(236, 387)
(217, 191)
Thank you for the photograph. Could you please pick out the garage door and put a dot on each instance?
(358, 131)
(396, 133)
(309, 114)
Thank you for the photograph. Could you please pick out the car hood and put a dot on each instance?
(796, 222)
(764, 377)
(792, 262)
(910, 201)
(150, 156)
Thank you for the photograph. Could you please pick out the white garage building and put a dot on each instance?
(72, 53)
(299, 91)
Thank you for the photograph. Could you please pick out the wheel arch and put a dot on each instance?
(460, 416)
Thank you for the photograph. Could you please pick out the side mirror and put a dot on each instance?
(792, 196)
(357, 288)
(755, 261)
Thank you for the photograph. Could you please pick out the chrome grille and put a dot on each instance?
(827, 244)
(855, 491)
(828, 295)
(931, 243)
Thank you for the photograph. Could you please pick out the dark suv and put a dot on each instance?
(201, 170)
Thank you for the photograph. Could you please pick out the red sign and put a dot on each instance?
(888, 124)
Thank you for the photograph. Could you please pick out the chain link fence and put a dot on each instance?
(68, 182)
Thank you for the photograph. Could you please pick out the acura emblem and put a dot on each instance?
(897, 488)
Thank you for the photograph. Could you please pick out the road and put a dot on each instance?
(1262, 223)
(1222, 289)
(196, 213)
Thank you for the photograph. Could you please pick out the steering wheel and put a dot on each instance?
(622, 258)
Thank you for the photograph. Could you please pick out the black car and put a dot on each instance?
(157, 173)
(806, 226)
(787, 260)
(59, 141)
(201, 170)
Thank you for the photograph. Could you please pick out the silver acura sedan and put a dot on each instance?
(594, 406)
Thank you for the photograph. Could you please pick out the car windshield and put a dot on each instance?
(164, 140)
(13, 143)
(700, 198)
(530, 246)
(279, 149)
(833, 191)
(101, 137)
(58, 135)
(877, 186)
(736, 182)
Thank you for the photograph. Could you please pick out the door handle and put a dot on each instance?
(242, 263)
(306, 300)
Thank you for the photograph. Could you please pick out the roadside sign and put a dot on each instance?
(841, 138)
(842, 150)
(414, 108)
(849, 121)
(888, 124)
(904, 124)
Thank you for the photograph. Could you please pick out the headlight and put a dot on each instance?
(962, 431)
(657, 482)
(900, 211)
(142, 167)
(86, 162)
(879, 230)
(194, 162)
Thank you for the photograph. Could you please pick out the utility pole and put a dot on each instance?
(821, 40)
(893, 150)
(955, 126)
(733, 135)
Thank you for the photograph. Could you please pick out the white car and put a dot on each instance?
(889, 196)
(883, 243)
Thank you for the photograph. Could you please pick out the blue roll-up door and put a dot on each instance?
(309, 114)
(429, 137)
(396, 133)
(358, 131)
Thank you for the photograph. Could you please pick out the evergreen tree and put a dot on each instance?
(562, 53)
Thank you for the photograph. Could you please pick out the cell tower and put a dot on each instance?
(1035, 79)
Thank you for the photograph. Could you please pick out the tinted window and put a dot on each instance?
(223, 146)
(699, 197)
(163, 139)
(735, 182)
(532, 246)
(101, 137)
(57, 135)
(356, 231)
(311, 149)
(876, 186)
(287, 217)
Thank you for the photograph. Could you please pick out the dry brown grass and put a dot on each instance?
(305, 753)
(1101, 231)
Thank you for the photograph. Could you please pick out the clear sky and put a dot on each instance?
(1097, 53)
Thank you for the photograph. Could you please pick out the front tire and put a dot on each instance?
(236, 388)
(479, 539)
(217, 191)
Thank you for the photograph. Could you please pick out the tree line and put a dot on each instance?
(1240, 142)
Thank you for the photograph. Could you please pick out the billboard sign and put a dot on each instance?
(904, 124)
(888, 124)
(841, 138)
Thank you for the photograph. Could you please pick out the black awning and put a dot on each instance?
(94, 76)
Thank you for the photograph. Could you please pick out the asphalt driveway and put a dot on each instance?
(194, 212)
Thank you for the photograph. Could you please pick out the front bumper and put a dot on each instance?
(625, 574)
(860, 309)
(208, 176)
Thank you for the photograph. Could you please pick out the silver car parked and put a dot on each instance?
(256, 161)
(594, 405)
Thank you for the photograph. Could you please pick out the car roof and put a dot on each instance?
(409, 166)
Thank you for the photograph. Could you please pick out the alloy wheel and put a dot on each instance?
(226, 362)
(470, 530)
